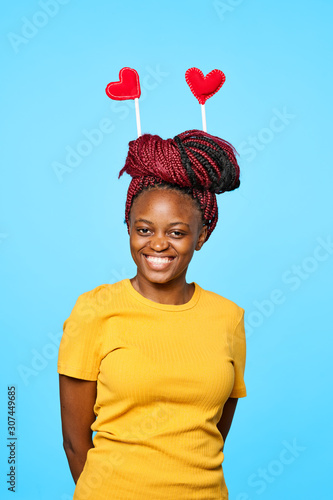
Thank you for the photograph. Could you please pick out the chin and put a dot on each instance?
(158, 279)
(161, 278)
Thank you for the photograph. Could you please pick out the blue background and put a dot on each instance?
(271, 252)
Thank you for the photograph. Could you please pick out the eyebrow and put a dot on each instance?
(171, 223)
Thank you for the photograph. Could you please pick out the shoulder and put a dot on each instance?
(102, 292)
(228, 306)
(97, 301)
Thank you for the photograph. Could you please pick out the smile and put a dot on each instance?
(158, 262)
(158, 259)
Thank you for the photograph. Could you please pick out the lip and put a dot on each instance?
(158, 266)
(159, 256)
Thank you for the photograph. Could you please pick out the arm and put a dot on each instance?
(226, 418)
(77, 400)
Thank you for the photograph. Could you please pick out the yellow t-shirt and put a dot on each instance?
(164, 373)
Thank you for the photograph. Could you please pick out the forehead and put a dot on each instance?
(165, 202)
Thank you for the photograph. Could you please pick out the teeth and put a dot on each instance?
(158, 259)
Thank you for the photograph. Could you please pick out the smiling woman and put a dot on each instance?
(153, 364)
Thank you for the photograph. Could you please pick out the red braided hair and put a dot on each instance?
(198, 163)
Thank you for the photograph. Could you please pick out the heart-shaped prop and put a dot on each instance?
(204, 87)
(128, 86)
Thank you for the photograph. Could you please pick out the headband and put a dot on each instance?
(202, 87)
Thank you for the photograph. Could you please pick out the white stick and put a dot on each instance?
(137, 114)
(203, 114)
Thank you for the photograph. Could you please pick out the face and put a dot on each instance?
(165, 229)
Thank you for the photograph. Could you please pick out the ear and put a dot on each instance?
(202, 237)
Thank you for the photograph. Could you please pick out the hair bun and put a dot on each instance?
(192, 159)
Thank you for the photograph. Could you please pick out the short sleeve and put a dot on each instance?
(80, 345)
(239, 358)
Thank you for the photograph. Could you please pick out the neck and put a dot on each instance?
(174, 292)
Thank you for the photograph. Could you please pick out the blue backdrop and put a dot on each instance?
(62, 228)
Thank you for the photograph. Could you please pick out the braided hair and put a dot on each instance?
(194, 162)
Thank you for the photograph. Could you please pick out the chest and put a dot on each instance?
(177, 358)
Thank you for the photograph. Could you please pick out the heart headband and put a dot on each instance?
(202, 87)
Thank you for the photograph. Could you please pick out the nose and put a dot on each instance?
(159, 242)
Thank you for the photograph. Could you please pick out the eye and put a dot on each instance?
(142, 229)
(178, 233)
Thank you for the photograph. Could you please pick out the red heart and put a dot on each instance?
(128, 86)
(203, 87)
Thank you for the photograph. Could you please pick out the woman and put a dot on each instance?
(159, 361)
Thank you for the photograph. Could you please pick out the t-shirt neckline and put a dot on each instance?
(165, 307)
